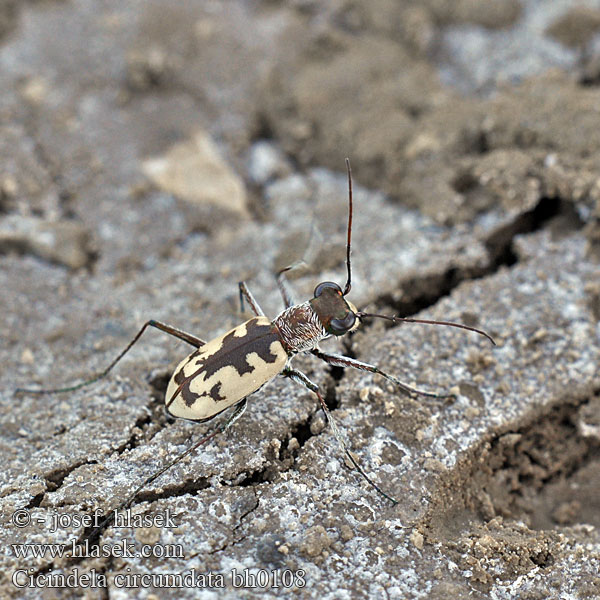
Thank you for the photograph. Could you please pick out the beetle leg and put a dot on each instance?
(178, 333)
(300, 377)
(239, 409)
(338, 360)
(284, 286)
(245, 293)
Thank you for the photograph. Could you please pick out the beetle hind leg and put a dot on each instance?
(178, 333)
(236, 413)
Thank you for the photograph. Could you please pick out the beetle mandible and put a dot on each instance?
(220, 374)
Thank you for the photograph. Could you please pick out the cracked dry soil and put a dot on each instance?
(153, 154)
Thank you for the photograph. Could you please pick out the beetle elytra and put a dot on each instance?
(220, 374)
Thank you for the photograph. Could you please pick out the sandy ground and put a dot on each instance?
(153, 154)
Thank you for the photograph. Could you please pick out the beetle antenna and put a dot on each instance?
(348, 243)
(360, 315)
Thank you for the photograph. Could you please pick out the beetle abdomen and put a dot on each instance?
(226, 370)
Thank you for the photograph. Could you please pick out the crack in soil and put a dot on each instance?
(502, 510)
(234, 541)
(55, 479)
(515, 474)
(264, 475)
(421, 293)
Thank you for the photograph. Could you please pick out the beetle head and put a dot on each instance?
(337, 315)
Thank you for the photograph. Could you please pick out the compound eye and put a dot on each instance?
(342, 326)
(326, 284)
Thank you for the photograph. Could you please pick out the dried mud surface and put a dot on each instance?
(153, 154)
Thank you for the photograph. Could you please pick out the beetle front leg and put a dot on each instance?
(339, 360)
(301, 378)
(246, 293)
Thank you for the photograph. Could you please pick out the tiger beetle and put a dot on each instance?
(222, 373)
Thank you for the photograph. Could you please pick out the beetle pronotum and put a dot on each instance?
(222, 373)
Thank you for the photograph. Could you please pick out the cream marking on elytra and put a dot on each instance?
(226, 370)
(223, 372)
